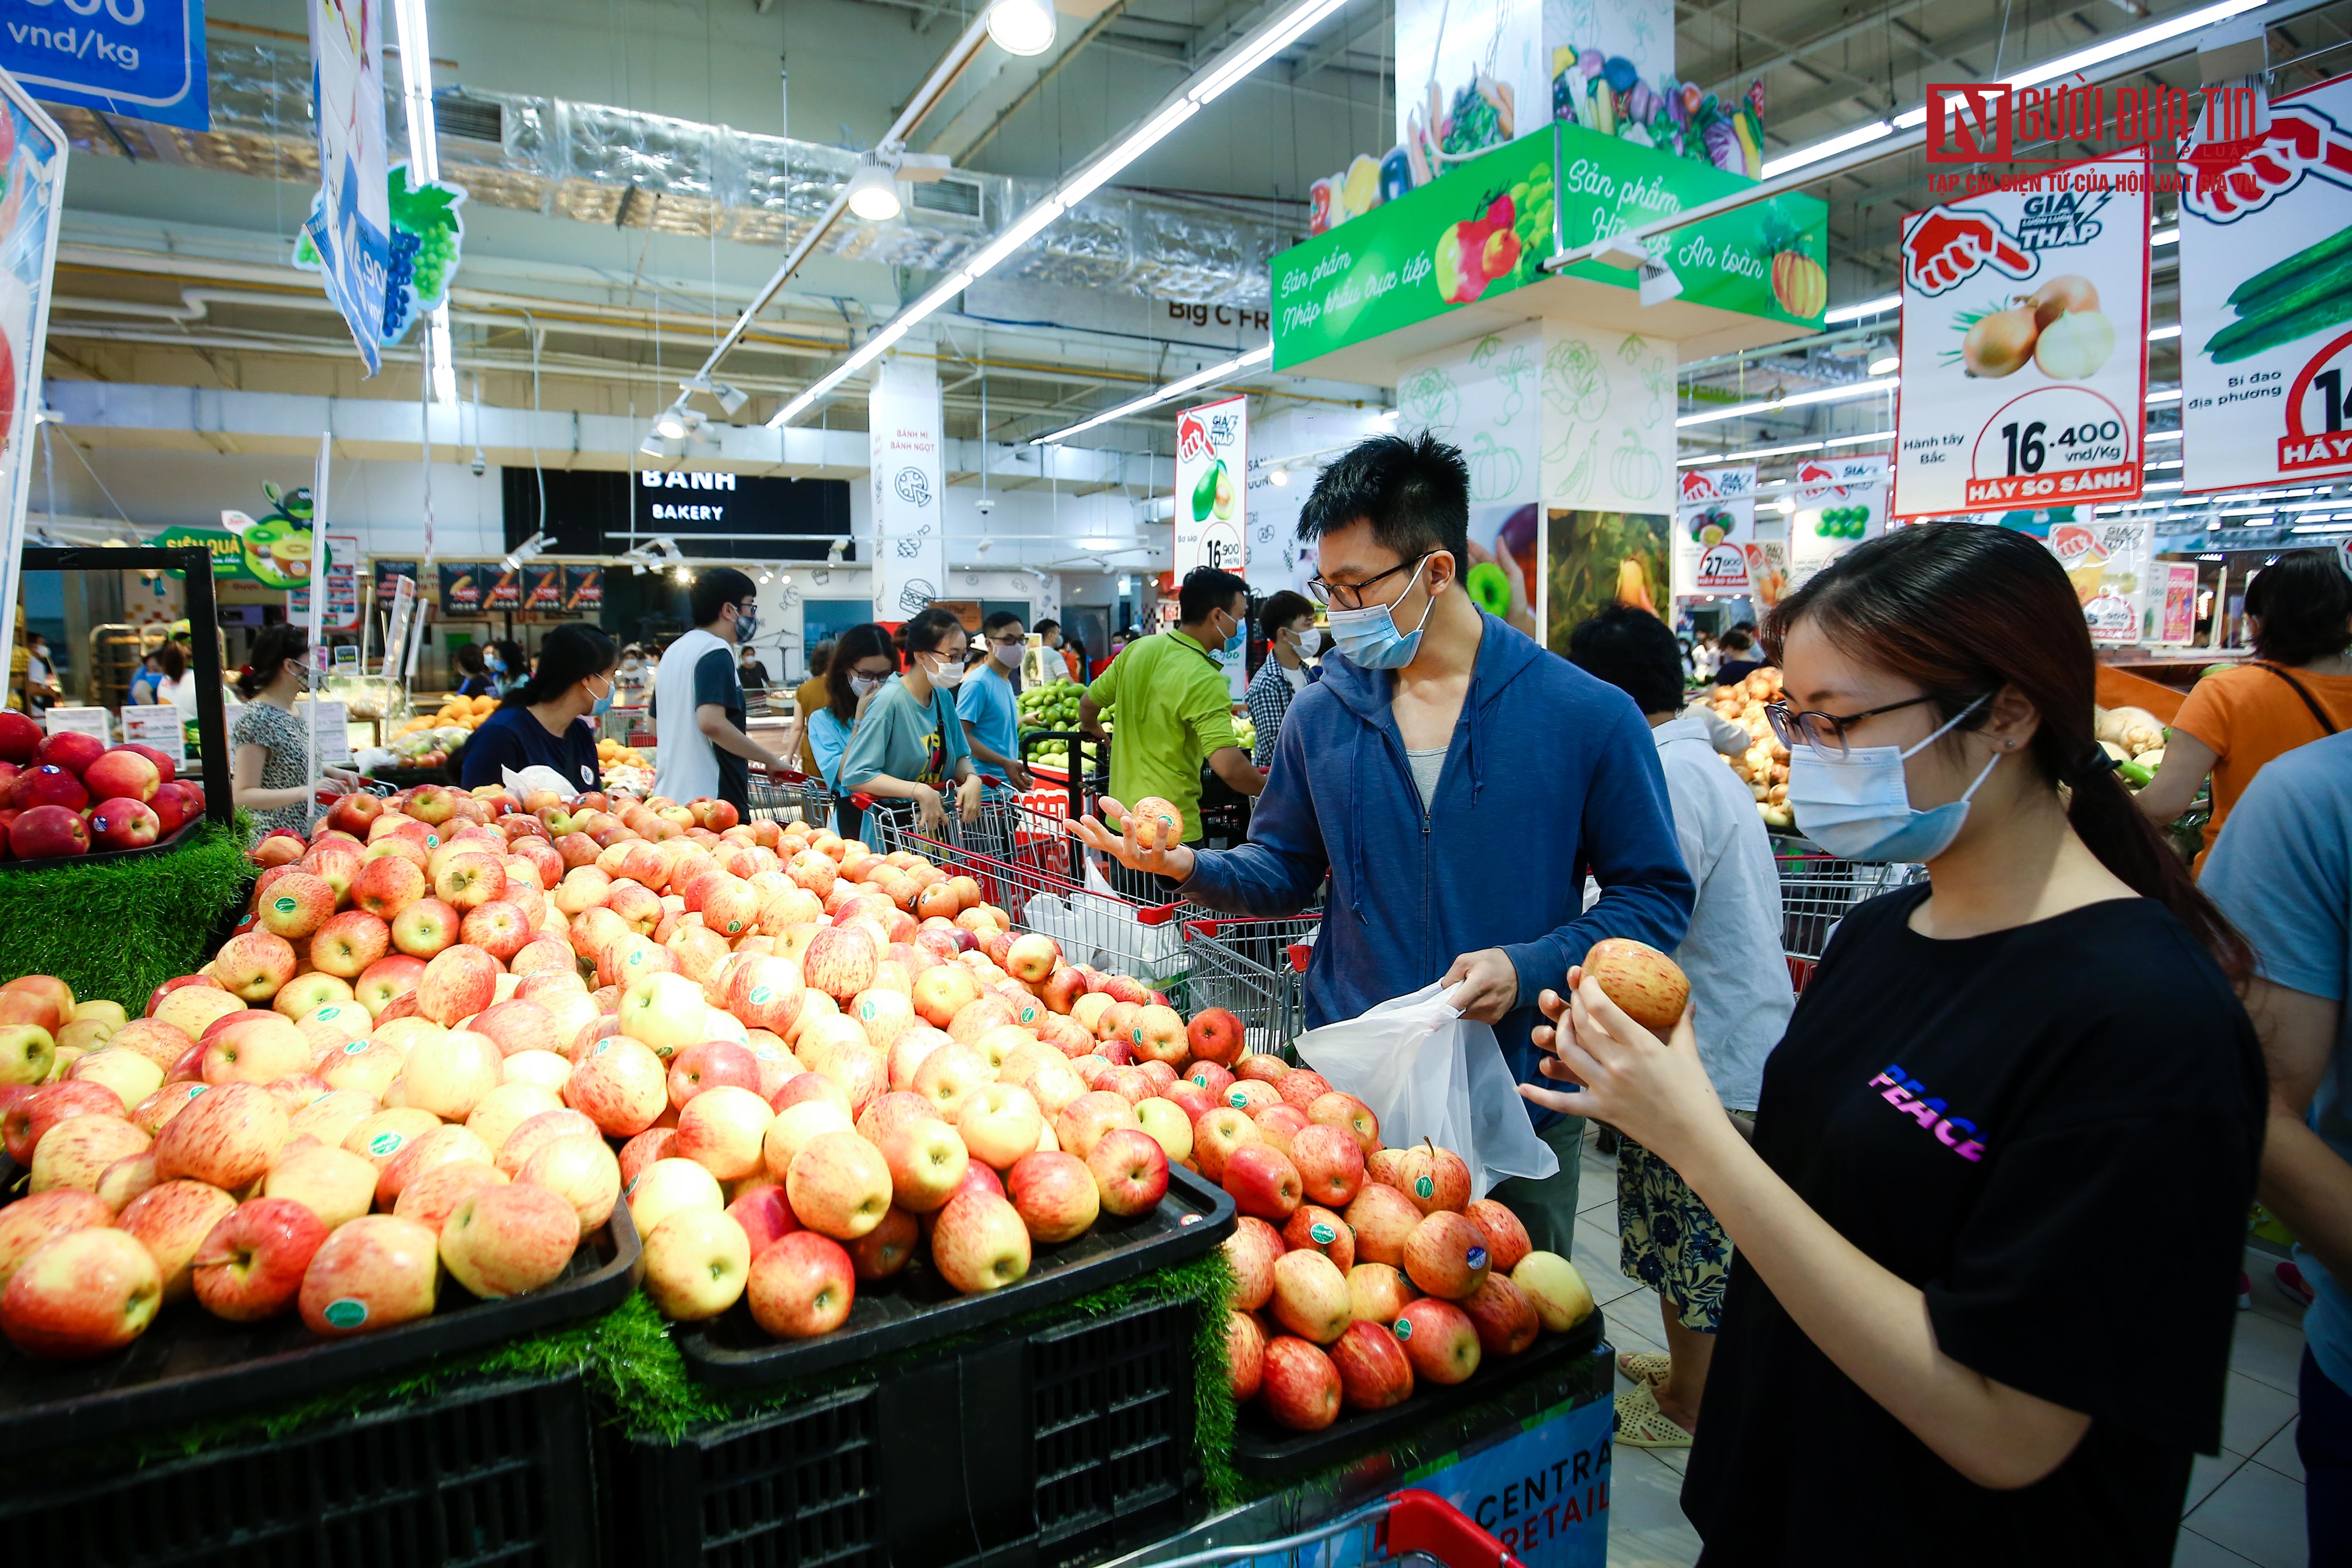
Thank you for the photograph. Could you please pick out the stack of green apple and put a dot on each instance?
(1052, 706)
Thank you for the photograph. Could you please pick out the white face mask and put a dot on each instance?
(860, 685)
(1006, 654)
(950, 677)
(1859, 808)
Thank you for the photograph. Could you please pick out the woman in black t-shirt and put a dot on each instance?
(548, 721)
(2035, 1062)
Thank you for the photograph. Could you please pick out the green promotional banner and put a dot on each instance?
(1769, 258)
(276, 550)
(1484, 231)
(1479, 232)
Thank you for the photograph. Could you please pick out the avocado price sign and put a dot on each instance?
(1211, 459)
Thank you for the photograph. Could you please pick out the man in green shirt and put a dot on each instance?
(1175, 705)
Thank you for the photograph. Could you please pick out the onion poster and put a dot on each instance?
(1840, 503)
(1714, 521)
(2024, 343)
(2266, 298)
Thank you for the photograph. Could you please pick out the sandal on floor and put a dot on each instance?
(1647, 1368)
(1642, 1424)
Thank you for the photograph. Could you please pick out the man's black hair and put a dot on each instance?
(1631, 650)
(717, 587)
(1205, 589)
(999, 621)
(1046, 627)
(1416, 494)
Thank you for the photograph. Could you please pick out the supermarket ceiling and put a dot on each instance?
(634, 183)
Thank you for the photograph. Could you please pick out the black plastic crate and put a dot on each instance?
(1059, 1448)
(498, 1474)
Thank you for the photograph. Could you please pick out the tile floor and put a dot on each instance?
(2244, 1507)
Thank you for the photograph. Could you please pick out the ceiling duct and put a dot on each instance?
(596, 163)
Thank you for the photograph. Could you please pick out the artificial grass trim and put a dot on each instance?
(116, 930)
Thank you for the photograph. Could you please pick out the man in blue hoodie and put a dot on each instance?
(1455, 781)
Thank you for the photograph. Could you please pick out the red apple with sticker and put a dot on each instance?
(1439, 1340)
(375, 1272)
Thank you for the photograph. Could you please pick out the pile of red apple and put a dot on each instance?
(445, 1018)
(69, 793)
(1374, 1283)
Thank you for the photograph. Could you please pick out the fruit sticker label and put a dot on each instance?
(1212, 513)
(2024, 343)
(1715, 520)
(2108, 563)
(2266, 298)
(1840, 503)
(345, 1312)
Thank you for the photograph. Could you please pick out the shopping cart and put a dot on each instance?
(1405, 1527)
(1027, 864)
(796, 797)
(1817, 889)
(1253, 969)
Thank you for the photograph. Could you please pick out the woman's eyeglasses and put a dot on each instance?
(1825, 732)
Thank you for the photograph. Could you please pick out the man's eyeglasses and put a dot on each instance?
(1825, 732)
(1350, 596)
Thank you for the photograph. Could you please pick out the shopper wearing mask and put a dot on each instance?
(863, 660)
(698, 710)
(2284, 873)
(2298, 689)
(1454, 781)
(1174, 706)
(991, 721)
(1289, 623)
(145, 683)
(908, 744)
(269, 749)
(1731, 953)
(750, 670)
(548, 721)
(2035, 1058)
(634, 678)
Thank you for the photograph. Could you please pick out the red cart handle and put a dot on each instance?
(1424, 1522)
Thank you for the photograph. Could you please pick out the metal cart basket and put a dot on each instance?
(1817, 890)
(1405, 1527)
(1253, 969)
(796, 797)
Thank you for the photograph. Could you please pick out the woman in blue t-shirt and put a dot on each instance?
(547, 722)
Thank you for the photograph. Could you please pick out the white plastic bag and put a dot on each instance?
(1427, 1073)
(537, 776)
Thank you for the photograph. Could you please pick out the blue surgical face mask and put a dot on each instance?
(1859, 808)
(605, 704)
(496, 665)
(1230, 648)
(1370, 637)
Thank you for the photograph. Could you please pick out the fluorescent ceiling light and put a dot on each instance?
(1700, 457)
(1887, 366)
(1213, 80)
(1773, 451)
(1146, 136)
(1794, 400)
(2322, 527)
(1283, 34)
(1860, 136)
(874, 192)
(2158, 335)
(2156, 397)
(2049, 70)
(424, 168)
(2165, 237)
(1173, 389)
(2161, 436)
(1021, 27)
(1857, 440)
(1878, 307)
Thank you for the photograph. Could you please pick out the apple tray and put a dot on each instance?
(179, 835)
(1267, 1450)
(191, 1366)
(917, 1307)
